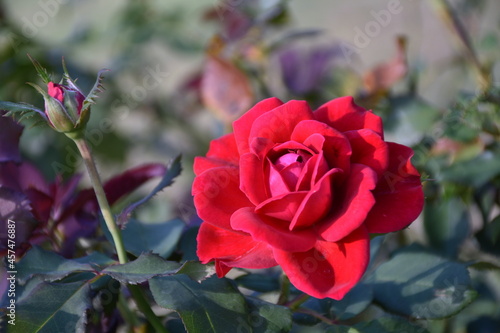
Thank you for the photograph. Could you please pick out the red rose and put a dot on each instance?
(303, 190)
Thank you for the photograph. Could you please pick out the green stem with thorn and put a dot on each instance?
(113, 228)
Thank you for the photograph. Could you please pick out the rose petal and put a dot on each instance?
(337, 150)
(315, 142)
(329, 269)
(354, 206)
(369, 149)
(243, 125)
(222, 152)
(231, 249)
(278, 124)
(253, 180)
(217, 195)
(344, 115)
(202, 164)
(283, 148)
(315, 168)
(399, 195)
(272, 232)
(221, 269)
(55, 90)
(282, 207)
(317, 203)
(278, 184)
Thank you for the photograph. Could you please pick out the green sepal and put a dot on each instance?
(42, 72)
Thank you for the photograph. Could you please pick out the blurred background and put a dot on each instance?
(182, 71)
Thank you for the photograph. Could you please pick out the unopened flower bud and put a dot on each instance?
(58, 117)
(71, 98)
(67, 109)
(63, 106)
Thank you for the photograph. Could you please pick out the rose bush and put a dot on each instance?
(303, 190)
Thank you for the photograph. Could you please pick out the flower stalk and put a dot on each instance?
(115, 231)
(445, 12)
(95, 179)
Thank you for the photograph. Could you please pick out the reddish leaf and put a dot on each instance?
(118, 186)
(384, 76)
(225, 89)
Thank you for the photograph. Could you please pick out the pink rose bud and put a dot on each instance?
(63, 106)
(71, 98)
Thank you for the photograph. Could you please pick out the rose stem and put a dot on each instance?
(136, 292)
(297, 301)
(317, 315)
(444, 10)
(285, 290)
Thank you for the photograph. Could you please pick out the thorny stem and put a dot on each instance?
(102, 200)
(143, 305)
(446, 13)
(115, 232)
(126, 313)
(317, 315)
(296, 302)
(285, 290)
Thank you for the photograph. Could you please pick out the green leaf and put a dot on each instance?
(142, 269)
(267, 317)
(53, 307)
(259, 282)
(22, 112)
(489, 236)
(197, 271)
(107, 292)
(375, 247)
(446, 223)
(475, 172)
(212, 306)
(354, 302)
(485, 266)
(339, 329)
(410, 119)
(493, 228)
(389, 324)
(160, 238)
(96, 260)
(188, 244)
(48, 265)
(173, 171)
(420, 284)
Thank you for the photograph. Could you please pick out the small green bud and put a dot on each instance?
(59, 118)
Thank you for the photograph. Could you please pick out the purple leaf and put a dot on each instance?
(14, 206)
(173, 171)
(82, 224)
(117, 187)
(10, 132)
(303, 71)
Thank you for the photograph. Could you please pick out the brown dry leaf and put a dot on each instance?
(225, 89)
(384, 76)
